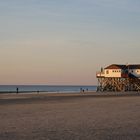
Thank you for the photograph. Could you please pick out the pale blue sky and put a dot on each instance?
(66, 41)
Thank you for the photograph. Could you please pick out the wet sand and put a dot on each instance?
(83, 116)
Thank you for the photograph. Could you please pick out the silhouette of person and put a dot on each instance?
(17, 90)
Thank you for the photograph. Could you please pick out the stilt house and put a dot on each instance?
(119, 78)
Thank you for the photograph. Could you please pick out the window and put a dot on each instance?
(107, 72)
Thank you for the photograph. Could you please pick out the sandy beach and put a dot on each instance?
(88, 116)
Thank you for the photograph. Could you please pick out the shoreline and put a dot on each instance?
(46, 96)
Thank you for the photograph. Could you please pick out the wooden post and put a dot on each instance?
(118, 84)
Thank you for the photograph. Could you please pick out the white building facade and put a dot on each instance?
(118, 71)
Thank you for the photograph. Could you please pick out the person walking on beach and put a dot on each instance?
(82, 90)
(17, 90)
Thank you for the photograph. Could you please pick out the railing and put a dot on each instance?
(100, 74)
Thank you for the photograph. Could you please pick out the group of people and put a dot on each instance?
(83, 90)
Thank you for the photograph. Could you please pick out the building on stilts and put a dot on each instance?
(119, 78)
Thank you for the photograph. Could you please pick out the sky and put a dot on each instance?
(65, 42)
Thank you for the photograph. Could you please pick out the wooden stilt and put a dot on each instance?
(118, 84)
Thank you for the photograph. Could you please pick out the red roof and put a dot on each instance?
(115, 66)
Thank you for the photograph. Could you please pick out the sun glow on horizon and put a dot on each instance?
(61, 42)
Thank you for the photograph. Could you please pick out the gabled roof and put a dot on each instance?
(116, 66)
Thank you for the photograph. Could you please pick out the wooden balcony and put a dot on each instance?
(100, 74)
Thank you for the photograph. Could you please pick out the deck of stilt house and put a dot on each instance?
(119, 78)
